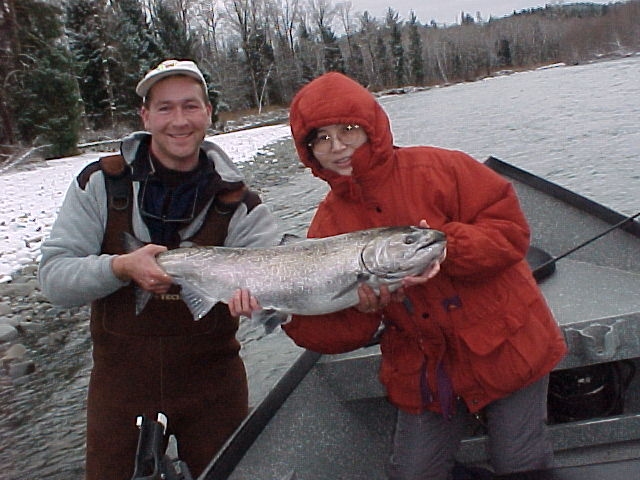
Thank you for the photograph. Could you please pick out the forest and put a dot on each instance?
(68, 68)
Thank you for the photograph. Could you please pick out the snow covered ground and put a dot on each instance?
(30, 199)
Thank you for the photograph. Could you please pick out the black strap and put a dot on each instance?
(117, 178)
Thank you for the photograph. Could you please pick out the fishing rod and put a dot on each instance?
(553, 260)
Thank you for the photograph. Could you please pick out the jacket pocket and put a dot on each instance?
(503, 356)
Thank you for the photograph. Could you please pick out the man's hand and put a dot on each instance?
(141, 267)
(243, 303)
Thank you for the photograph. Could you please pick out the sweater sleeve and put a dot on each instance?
(255, 228)
(72, 271)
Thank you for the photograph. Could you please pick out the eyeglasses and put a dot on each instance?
(142, 200)
(348, 134)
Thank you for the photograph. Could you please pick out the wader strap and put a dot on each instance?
(117, 178)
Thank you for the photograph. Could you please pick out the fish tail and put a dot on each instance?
(130, 242)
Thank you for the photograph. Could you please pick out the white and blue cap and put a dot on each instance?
(167, 69)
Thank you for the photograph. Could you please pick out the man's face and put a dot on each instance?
(177, 116)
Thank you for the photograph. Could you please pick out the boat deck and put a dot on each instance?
(351, 425)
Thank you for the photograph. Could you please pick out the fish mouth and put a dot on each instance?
(429, 244)
(438, 238)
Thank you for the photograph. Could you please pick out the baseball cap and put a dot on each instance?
(166, 69)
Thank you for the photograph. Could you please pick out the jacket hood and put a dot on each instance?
(335, 98)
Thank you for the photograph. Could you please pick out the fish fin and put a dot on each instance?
(364, 277)
(269, 318)
(198, 301)
(142, 298)
(130, 242)
(361, 278)
(344, 291)
(289, 238)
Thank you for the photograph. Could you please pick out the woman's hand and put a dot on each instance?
(243, 303)
(431, 271)
(425, 276)
(369, 302)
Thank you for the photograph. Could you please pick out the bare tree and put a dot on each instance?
(343, 10)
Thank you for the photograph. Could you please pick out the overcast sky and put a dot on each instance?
(448, 11)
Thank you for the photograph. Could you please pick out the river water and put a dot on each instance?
(577, 126)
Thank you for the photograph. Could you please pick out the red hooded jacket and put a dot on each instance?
(481, 325)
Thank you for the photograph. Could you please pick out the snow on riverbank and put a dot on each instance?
(30, 199)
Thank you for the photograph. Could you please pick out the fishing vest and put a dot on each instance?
(166, 314)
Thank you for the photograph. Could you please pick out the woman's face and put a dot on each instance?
(333, 146)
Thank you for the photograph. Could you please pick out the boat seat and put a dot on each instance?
(540, 263)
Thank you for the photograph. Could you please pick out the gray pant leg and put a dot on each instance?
(518, 434)
(425, 445)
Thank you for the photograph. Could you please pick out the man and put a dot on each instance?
(169, 188)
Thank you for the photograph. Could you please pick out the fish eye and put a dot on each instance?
(409, 240)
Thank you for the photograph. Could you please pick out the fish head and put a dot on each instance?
(397, 252)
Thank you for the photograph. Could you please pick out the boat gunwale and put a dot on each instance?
(556, 191)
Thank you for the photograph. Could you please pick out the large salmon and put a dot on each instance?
(305, 277)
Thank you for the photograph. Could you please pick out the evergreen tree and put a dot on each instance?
(131, 52)
(87, 42)
(173, 39)
(382, 61)
(49, 105)
(356, 64)
(333, 59)
(10, 50)
(305, 55)
(397, 49)
(504, 53)
(416, 62)
(44, 92)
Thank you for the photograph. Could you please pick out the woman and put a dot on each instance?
(478, 333)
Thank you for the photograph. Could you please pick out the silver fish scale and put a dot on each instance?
(312, 276)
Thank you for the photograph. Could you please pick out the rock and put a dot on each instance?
(15, 352)
(21, 369)
(29, 327)
(7, 333)
(11, 320)
(56, 338)
(30, 270)
(17, 289)
(5, 309)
